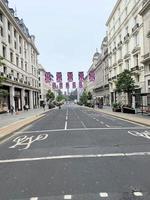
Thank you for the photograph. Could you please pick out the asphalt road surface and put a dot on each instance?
(76, 153)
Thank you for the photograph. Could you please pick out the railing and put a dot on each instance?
(135, 68)
(126, 37)
(146, 56)
(135, 27)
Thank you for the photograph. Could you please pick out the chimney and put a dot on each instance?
(33, 38)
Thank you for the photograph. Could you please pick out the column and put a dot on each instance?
(31, 99)
(23, 97)
(12, 94)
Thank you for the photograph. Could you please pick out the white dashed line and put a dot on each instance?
(97, 120)
(103, 194)
(138, 194)
(107, 125)
(67, 197)
(83, 124)
(34, 198)
(66, 125)
(102, 122)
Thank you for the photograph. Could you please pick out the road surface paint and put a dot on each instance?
(26, 141)
(76, 157)
(145, 134)
(103, 194)
(67, 197)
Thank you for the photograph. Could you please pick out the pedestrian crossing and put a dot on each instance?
(134, 195)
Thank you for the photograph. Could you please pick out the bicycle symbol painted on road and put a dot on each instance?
(27, 141)
(145, 134)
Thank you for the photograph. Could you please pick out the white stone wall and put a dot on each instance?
(121, 22)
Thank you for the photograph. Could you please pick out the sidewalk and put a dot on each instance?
(11, 123)
(137, 118)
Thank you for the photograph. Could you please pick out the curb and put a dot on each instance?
(138, 121)
(7, 131)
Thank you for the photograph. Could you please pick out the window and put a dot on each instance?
(127, 30)
(20, 50)
(15, 33)
(9, 25)
(136, 60)
(22, 64)
(11, 57)
(120, 53)
(127, 48)
(26, 67)
(148, 82)
(9, 39)
(5, 70)
(138, 78)
(1, 16)
(15, 44)
(135, 20)
(12, 72)
(149, 67)
(18, 75)
(20, 39)
(127, 64)
(17, 61)
(136, 40)
(120, 68)
(4, 51)
(1, 31)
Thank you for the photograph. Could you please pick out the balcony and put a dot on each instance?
(126, 38)
(135, 68)
(135, 28)
(110, 79)
(146, 58)
(120, 61)
(114, 77)
(127, 56)
(136, 50)
(145, 2)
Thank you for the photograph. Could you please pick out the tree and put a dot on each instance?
(2, 79)
(126, 84)
(50, 96)
(73, 95)
(89, 96)
(60, 98)
(84, 98)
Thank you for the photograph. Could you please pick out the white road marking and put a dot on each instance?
(103, 194)
(34, 198)
(66, 122)
(26, 141)
(138, 194)
(107, 125)
(80, 129)
(102, 122)
(77, 156)
(66, 117)
(83, 124)
(67, 197)
(97, 120)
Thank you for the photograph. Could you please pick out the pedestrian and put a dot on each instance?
(11, 109)
(44, 106)
(27, 107)
(24, 107)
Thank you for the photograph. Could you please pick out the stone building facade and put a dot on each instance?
(18, 49)
(125, 49)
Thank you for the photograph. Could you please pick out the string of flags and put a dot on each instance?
(70, 79)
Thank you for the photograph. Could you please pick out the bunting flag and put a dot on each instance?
(67, 85)
(60, 85)
(47, 77)
(70, 76)
(58, 76)
(74, 85)
(92, 76)
(54, 85)
(80, 84)
(81, 76)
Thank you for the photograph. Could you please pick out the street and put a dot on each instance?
(76, 153)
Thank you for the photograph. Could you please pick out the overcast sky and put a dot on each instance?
(67, 31)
